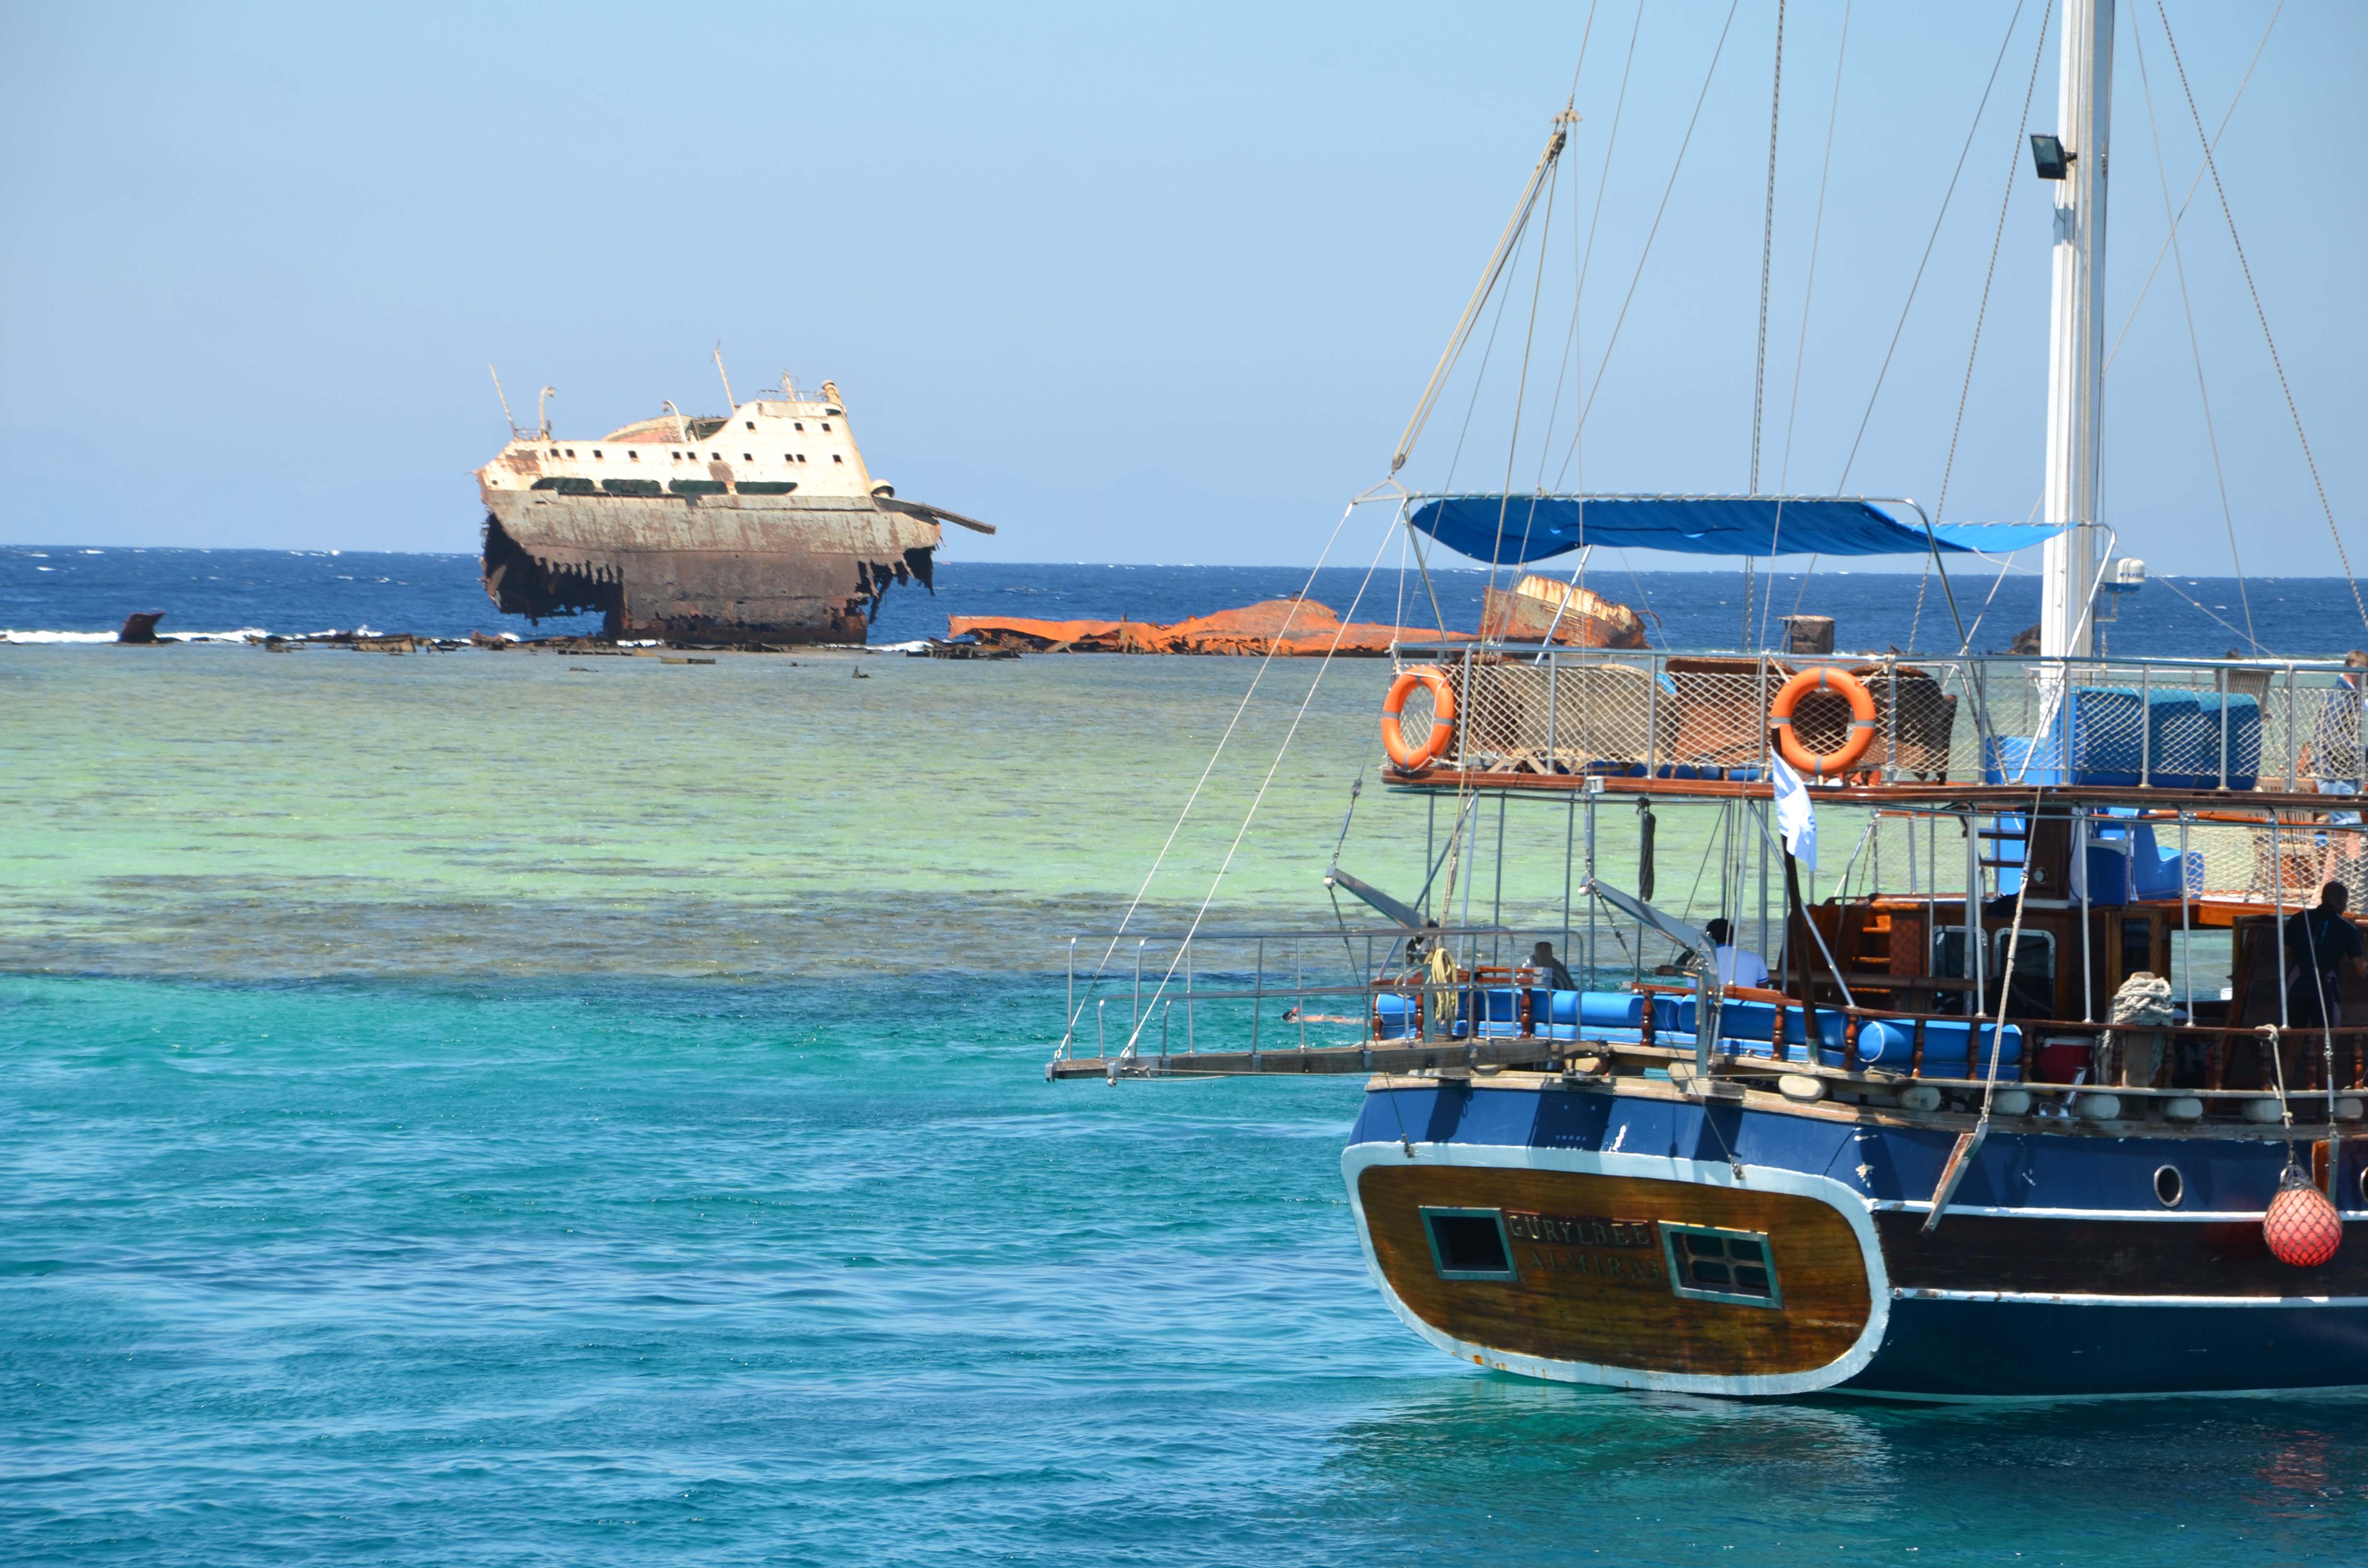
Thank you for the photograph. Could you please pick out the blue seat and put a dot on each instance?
(1891, 1045)
(2240, 715)
(2110, 729)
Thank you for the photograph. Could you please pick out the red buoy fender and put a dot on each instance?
(1413, 759)
(2302, 1227)
(1823, 765)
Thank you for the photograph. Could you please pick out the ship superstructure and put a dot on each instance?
(764, 524)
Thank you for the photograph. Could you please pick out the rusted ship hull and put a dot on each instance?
(733, 568)
(1540, 608)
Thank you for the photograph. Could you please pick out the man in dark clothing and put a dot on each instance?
(2321, 947)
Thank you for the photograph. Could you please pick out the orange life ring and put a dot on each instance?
(1443, 724)
(1861, 735)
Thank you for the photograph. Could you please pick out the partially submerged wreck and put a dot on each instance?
(1537, 609)
(1541, 609)
(762, 526)
(1286, 628)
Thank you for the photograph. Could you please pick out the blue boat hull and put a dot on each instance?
(1764, 1249)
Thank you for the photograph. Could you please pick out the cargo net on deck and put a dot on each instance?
(2163, 724)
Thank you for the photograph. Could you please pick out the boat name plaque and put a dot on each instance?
(1591, 1243)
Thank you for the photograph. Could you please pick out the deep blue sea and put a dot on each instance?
(72, 588)
(503, 1109)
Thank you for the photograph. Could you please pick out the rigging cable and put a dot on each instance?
(1948, 196)
(1808, 297)
(1314, 685)
(1874, 396)
(1069, 1030)
(1767, 254)
(2194, 348)
(1521, 390)
(1619, 320)
(2192, 186)
(1587, 260)
(1972, 351)
(2211, 167)
(1578, 276)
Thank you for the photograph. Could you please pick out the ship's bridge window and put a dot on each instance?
(787, 459)
(635, 456)
(836, 459)
(826, 425)
(748, 457)
(1709, 1264)
(596, 451)
(1469, 1244)
(571, 451)
(554, 452)
(750, 423)
(797, 424)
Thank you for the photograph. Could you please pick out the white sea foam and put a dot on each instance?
(247, 633)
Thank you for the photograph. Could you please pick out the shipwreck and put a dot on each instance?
(760, 527)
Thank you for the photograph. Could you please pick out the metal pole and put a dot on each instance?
(1429, 847)
(1258, 1002)
(1588, 978)
(1497, 904)
(2088, 974)
(2186, 935)
(1976, 960)
(1569, 833)
(1189, 1044)
(2278, 903)
(1134, 1024)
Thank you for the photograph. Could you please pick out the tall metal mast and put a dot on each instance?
(2076, 358)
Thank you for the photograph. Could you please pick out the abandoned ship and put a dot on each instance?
(762, 526)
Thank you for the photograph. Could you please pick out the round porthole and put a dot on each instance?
(2168, 1188)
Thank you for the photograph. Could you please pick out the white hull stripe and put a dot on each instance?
(2088, 1299)
(2193, 1216)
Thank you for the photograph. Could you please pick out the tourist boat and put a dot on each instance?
(2031, 1105)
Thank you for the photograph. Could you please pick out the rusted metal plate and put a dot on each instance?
(785, 568)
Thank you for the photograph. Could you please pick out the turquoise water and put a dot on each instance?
(469, 1109)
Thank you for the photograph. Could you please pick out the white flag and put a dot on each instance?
(1796, 819)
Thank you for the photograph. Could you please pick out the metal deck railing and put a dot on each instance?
(2150, 724)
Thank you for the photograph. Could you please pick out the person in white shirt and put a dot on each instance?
(1736, 966)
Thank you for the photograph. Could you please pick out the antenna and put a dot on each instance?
(728, 398)
(506, 417)
(542, 420)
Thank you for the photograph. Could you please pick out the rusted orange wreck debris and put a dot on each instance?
(1296, 627)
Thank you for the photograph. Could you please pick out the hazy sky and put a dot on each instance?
(1138, 284)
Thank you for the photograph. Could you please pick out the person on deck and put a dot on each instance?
(2334, 758)
(2321, 947)
(1552, 972)
(1736, 966)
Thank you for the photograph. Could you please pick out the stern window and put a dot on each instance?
(1707, 1265)
(1469, 1244)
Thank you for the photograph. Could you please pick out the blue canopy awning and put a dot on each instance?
(1510, 530)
